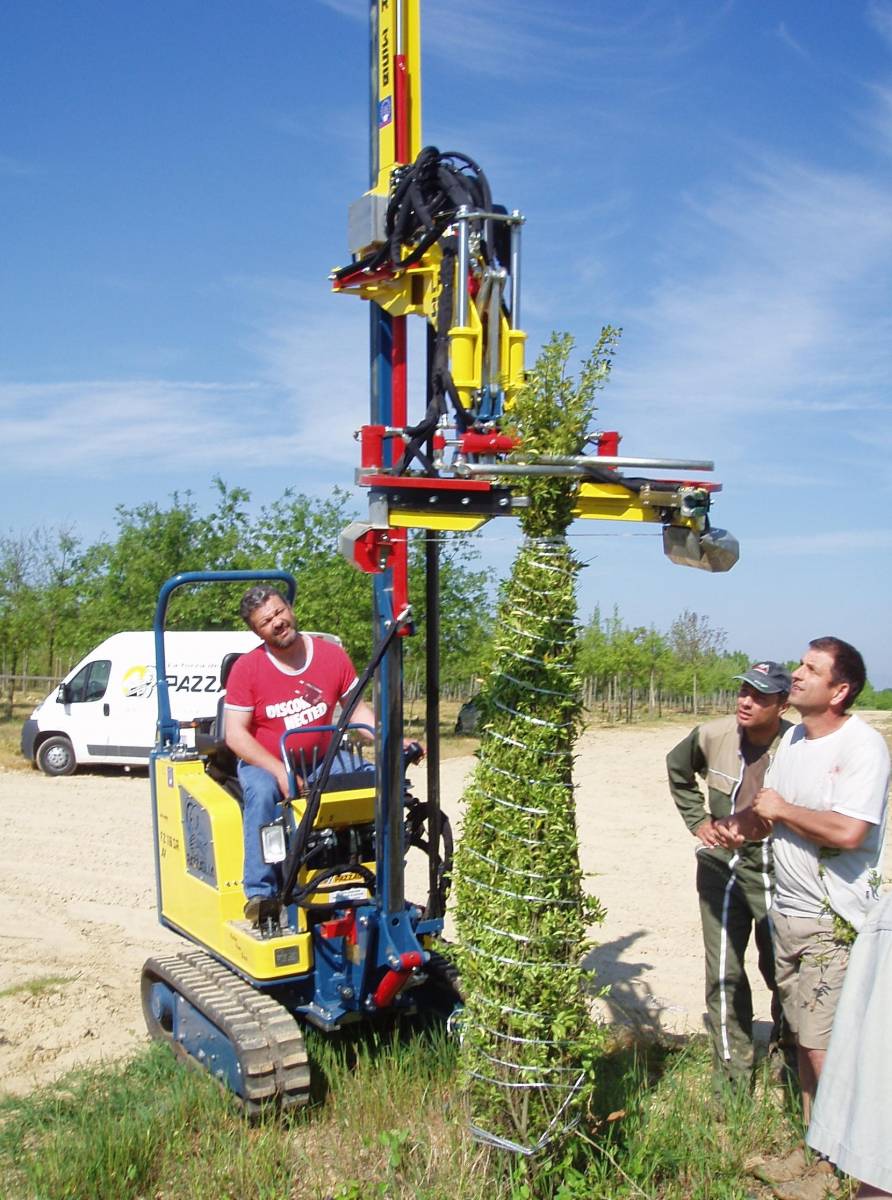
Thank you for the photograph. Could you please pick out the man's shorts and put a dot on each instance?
(809, 966)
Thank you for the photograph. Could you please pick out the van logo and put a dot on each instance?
(139, 681)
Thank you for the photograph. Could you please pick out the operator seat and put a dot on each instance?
(221, 762)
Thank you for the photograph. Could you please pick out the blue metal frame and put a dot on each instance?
(192, 1032)
(294, 733)
(396, 924)
(168, 729)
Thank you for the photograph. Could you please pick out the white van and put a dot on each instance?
(106, 708)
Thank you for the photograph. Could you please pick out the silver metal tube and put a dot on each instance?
(607, 460)
(466, 469)
(398, 27)
(461, 299)
(515, 271)
(495, 308)
(613, 461)
(482, 297)
(479, 214)
(567, 467)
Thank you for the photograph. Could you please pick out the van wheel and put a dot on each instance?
(56, 756)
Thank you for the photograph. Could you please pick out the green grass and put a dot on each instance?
(11, 735)
(387, 1121)
(34, 987)
(672, 1141)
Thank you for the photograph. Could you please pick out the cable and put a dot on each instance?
(297, 851)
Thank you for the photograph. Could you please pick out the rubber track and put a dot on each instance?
(267, 1039)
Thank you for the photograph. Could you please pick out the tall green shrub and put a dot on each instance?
(522, 914)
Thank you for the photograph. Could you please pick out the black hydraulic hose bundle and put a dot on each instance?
(441, 382)
(425, 202)
(427, 197)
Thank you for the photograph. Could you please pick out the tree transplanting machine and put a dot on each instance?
(426, 240)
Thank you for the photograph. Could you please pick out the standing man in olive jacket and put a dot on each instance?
(731, 755)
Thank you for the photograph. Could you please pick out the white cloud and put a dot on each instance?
(788, 39)
(771, 300)
(307, 395)
(820, 544)
(300, 416)
(877, 123)
(507, 38)
(315, 354)
(99, 427)
(879, 15)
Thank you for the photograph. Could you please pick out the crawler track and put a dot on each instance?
(263, 1037)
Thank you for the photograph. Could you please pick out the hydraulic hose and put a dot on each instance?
(297, 852)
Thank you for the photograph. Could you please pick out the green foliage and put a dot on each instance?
(34, 987)
(36, 570)
(59, 599)
(102, 1133)
(689, 656)
(300, 535)
(872, 697)
(465, 608)
(382, 1125)
(553, 415)
(529, 1044)
(117, 581)
(389, 1121)
(669, 1141)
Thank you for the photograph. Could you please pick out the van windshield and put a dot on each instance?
(90, 682)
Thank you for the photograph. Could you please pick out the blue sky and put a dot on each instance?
(714, 177)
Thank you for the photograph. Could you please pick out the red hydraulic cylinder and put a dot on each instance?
(487, 443)
(389, 987)
(372, 445)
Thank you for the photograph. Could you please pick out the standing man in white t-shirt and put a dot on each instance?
(825, 805)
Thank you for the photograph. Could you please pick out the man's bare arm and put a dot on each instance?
(363, 714)
(823, 828)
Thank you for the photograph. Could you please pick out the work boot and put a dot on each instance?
(818, 1182)
(797, 1176)
(261, 909)
(782, 1170)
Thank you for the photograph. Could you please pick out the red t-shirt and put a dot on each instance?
(281, 699)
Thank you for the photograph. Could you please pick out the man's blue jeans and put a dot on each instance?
(261, 796)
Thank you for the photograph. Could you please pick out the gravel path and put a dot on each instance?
(77, 902)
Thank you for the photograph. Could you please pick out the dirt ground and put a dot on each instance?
(77, 902)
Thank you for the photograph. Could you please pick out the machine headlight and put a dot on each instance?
(272, 842)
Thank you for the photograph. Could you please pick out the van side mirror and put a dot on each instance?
(63, 696)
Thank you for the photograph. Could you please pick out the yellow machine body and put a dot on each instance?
(200, 867)
(398, 37)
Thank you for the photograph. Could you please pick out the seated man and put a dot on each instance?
(290, 681)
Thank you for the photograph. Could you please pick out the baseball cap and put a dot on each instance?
(767, 677)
